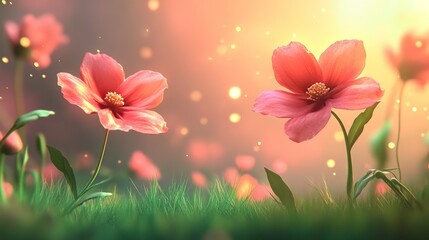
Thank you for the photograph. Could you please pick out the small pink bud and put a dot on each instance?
(12, 145)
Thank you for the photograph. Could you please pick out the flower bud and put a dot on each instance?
(12, 145)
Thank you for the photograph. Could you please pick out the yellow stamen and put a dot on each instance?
(317, 91)
(114, 99)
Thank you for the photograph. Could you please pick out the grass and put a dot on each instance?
(181, 213)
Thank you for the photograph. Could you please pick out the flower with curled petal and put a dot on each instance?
(121, 104)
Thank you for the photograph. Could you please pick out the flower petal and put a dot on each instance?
(12, 31)
(342, 61)
(101, 73)
(76, 92)
(143, 89)
(111, 122)
(359, 94)
(392, 58)
(281, 104)
(147, 121)
(307, 126)
(295, 68)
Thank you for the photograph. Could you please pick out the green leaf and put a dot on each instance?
(379, 144)
(63, 165)
(359, 124)
(84, 199)
(281, 190)
(31, 116)
(363, 181)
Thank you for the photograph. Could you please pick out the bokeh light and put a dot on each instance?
(234, 92)
(234, 117)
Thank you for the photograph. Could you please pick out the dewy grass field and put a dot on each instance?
(179, 213)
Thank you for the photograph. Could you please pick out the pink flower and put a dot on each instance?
(199, 179)
(51, 173)
(12, 144)
(36, 38)
(143, 167)
(7, 189)
(231, 176)
(121, 104)
(245, 162)
(314, 87)
(412, 61)
(279, 166)
(260, 193)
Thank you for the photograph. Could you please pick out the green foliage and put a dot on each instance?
(178, 212)
(359, 123)
(62, 164)
(281, 189)
(41, 146)
(379, 144)
(31, 116)
(24, 119)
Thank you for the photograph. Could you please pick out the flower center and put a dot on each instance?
(316, 91)
(114, 99)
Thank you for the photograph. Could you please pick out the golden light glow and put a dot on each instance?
(234, 92)
(153, 5)
(238, 29)
(222, 49)
(43, 75)
(330, 163)
(184, 131)
(418, 44)
(339, 136)
(391, 145)
(36, 64)
(204, 121)
(196, 96)
(25, 42)
(4, 59)
(146, 52)
(234, 117)
(233, 46)
(414, 109)
(4, 2)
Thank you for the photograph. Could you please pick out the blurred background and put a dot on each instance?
(216, 56)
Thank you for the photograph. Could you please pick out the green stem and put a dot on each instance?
(401, 92)
(77, 201)
(21, 162)
(97, 169)
(19, 91)
(349, 158)
(3, 198)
